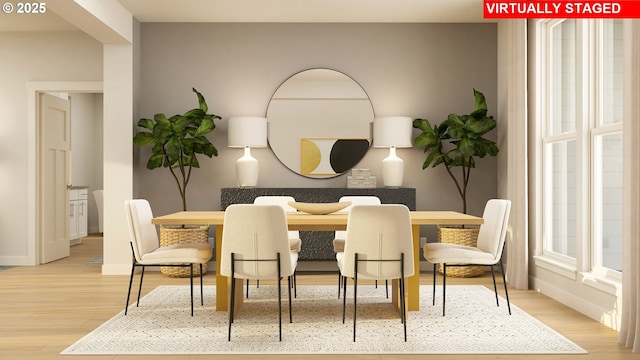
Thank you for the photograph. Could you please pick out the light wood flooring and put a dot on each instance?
(47, 308)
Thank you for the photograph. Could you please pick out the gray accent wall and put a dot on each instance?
(416, 70)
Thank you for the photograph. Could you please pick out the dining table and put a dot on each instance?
(312, 222)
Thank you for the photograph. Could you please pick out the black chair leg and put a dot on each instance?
(495, 288)
(433, 297)
(247, 289)
(339, 283)
(140, 287)
(355, 301)
(344, 298)
(280, 298)
(191, 285)
(506, 292)
(201, 290)
(290, 313)
(126, 306)
(386, 287)
(444, 286)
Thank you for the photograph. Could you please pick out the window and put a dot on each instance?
(582, 143)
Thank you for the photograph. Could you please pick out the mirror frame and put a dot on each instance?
(328, 150)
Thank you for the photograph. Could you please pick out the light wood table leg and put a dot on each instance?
(223, 283)
(412, 283)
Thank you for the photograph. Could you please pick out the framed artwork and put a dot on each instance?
(330, 156)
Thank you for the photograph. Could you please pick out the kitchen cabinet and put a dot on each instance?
(78, 207)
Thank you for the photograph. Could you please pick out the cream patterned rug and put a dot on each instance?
(473, 324)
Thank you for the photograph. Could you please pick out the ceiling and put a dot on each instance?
(349, 11)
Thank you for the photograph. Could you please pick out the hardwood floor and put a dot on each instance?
(49, 307)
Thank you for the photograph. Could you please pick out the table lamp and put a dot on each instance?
(247, 132)
(392, 132)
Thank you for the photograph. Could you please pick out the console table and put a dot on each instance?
(318, 244)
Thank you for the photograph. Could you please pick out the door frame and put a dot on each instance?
(34, 241)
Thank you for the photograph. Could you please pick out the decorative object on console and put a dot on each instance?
(177, 141)
(319, 208)
(247, 132)
(361, 179)
(392, 132)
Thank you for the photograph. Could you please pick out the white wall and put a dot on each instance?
(417, 70)
(27, 57)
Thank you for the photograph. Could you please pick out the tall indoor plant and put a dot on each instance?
(457, 142)
(177, 141)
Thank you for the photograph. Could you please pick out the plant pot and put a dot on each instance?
(467, 236)
(172, 235)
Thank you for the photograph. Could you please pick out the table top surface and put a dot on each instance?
(304, 219)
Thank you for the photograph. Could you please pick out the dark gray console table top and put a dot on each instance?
(317, 245)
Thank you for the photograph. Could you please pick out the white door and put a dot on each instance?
(55, 175)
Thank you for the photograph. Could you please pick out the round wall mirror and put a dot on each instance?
(320, 123)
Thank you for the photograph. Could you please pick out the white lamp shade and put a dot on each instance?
(392, 131)
(247, 131)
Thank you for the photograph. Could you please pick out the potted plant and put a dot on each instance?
(176, 142)
(456, 143)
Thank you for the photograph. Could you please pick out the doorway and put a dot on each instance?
(36, 222)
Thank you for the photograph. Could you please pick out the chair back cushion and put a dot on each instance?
(256, 232)
(282, 201)
(494, 229)
(356, 200)
(144, 236)
(379, 232)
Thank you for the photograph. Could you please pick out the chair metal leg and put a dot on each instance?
(444, 286)
(247, 289)
(433, 297)
(495, 289)
(140, 287)
(126, 306)
(191, 286)
(233, 295)
(280, 299)
(339, 283)
(386, 287)
(344, 298)
(201, 290)
(290, 313)
(355, 295)
(506, 292)
(403, 305)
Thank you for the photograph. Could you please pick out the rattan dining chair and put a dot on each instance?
(488, 251)
(379, 247)
(256, 247)
(146, 249)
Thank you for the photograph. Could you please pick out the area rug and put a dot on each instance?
(473, 324)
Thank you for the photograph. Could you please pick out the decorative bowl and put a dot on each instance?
(319, 208)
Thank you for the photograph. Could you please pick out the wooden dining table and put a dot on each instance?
(308, 222)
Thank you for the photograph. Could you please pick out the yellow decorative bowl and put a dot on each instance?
(319, 208)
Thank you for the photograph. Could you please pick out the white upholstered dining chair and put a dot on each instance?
(340, 236)
(147, 251)
(295, 243)
(256, 246)
(379, 247)
(488, 251)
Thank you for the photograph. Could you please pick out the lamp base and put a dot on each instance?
(247, 170)
(392, 170)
